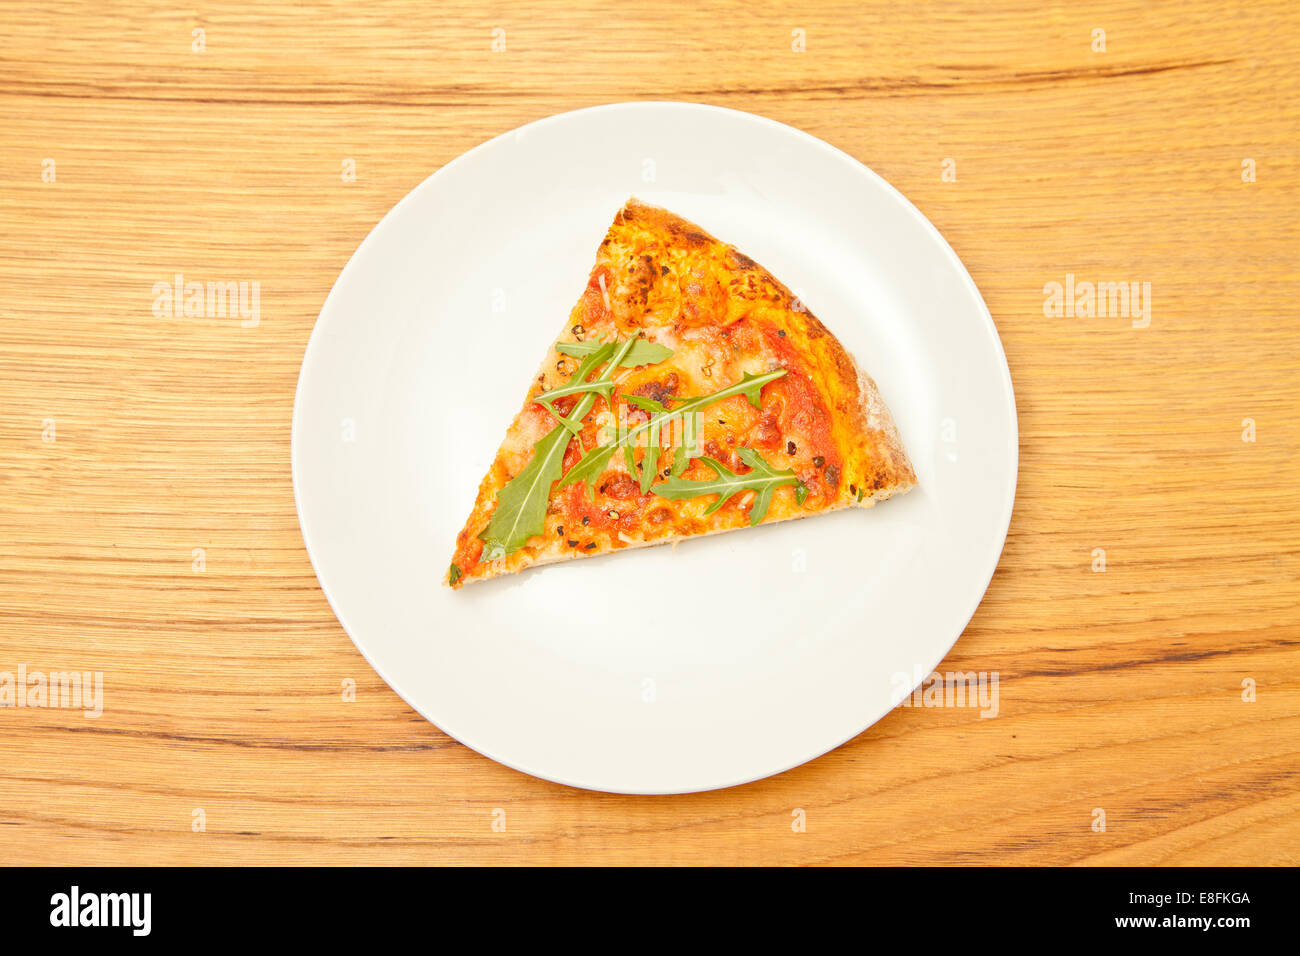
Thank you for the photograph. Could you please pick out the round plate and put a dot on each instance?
(668, 669)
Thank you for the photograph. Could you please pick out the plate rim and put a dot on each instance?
(857, 166)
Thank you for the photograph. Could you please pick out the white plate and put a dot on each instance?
(669, 669)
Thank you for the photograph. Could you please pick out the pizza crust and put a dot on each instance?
(560, 556)
(900, 477)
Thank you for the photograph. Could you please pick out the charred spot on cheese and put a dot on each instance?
(620, 486)
(659, 391)
(768, 432)
(742, 260)
(688, 236)
(642, 276)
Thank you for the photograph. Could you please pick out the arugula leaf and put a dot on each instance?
(645, 403)
(749, 385)
(576, 388)
(547, 399)
(589, 468)
(599, 353)
(521, 504)
(756, 461)
(690, 446)
(453, 573)
(650, 462)
(643, 352)
(763, 479)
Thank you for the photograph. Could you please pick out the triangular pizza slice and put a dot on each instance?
(689, 393)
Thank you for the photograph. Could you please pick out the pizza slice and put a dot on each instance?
(689, 393)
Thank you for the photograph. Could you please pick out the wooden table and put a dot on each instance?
(147, 524)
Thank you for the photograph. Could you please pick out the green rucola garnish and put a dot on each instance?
(750, 386)
(643, 352)
(690, 446)
(650, 463)
(593, 358)
(593, 462)
(591, 467)
(521, 504)
(762, 479)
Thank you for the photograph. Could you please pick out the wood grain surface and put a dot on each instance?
(134, 148)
